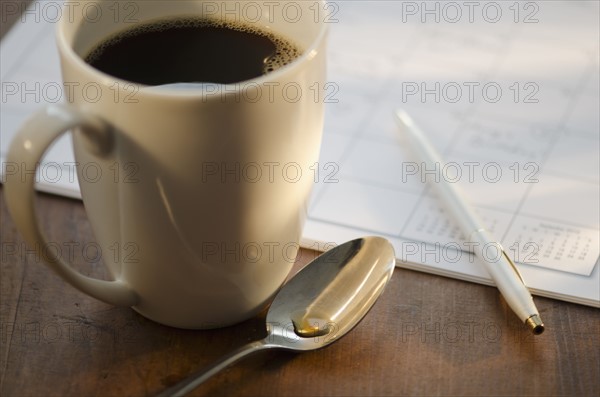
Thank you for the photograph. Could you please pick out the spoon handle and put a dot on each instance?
(194, 380)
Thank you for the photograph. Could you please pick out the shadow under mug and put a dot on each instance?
(212, 188)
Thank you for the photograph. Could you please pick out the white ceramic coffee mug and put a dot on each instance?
(202, 191)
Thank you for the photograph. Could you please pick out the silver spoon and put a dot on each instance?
(319, 305)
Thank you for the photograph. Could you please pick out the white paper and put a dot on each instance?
(533, 150)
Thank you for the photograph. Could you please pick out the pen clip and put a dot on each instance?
(512, 264)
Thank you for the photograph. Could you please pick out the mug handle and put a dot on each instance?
(27, 148)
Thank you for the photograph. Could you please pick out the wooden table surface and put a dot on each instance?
(427, 335)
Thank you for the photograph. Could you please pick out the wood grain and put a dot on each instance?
(427, 335)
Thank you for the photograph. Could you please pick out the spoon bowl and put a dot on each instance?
(319, 305)
(329, 296)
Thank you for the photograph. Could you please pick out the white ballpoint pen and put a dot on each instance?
(501, 268)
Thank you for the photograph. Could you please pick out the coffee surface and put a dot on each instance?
(191, 50)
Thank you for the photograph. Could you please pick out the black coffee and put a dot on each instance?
(191, 50)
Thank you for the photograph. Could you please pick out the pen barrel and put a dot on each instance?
(504, 273)
(489, 251)
(449, 192)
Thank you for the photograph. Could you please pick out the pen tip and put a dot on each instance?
(535, 324)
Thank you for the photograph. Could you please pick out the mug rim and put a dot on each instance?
(106, 79)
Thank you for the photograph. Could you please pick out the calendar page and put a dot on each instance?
(508, 94)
